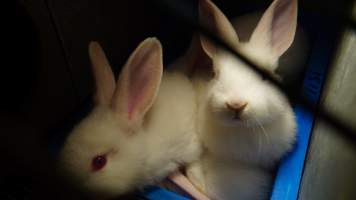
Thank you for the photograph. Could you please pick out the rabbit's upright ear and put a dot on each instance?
(276, 29)
(139, 82)
(212, 17)
(103, 75)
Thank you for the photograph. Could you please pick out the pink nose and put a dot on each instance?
(236, 107)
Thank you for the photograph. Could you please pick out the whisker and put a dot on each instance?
(263, 130)
(259, 139)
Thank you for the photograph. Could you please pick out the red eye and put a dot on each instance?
(98, 162)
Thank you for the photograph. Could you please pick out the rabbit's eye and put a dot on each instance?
(98, 162)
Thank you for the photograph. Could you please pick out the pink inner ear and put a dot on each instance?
(137, 90)
(142, 81)
(282, 30)
(138, 82)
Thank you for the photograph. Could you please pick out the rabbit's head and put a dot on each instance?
(237, 94)
(105, 153)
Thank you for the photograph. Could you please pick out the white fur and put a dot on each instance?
(267, 128)
(226, 179)
(241, 153)
(165, 140)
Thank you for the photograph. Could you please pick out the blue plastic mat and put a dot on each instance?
(290, 171)
(157, 193)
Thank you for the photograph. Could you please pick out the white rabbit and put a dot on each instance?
(245, 122)
(140, 130)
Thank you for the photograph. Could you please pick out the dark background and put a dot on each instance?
(45, 73)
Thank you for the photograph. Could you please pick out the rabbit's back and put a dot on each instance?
(171, 124)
